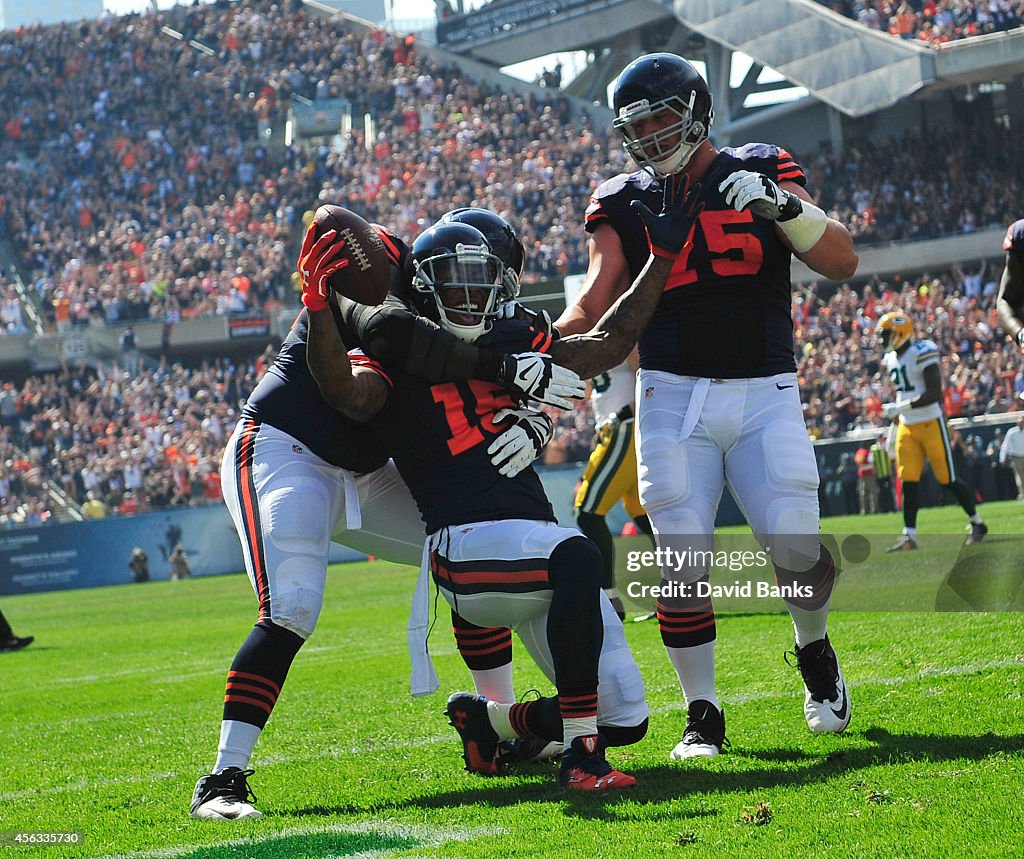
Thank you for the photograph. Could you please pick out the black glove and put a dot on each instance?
(534, 376)
(669, 231)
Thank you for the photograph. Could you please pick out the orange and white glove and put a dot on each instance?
(316, 265)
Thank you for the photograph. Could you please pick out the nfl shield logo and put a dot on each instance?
(296, 449)
(649, 392)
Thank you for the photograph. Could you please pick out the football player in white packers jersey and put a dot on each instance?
(921, 434)
(611, 473)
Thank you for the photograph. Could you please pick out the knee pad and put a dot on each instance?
(621, 696)
(792, 538)
(297, 594)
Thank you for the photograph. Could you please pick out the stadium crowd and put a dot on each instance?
(154, 438)
(933, 22)
(202, 215)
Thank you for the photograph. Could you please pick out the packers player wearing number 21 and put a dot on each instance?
(920, 426)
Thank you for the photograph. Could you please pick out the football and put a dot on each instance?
(368, 275)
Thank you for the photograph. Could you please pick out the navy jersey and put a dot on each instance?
(288, 398)
(439, 435)
(1013, 244)
(726, 308)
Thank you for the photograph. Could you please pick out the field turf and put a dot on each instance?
(108, 719)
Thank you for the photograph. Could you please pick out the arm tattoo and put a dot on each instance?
(611, 340)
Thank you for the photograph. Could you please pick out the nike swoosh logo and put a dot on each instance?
(840, 714)
(782, 387)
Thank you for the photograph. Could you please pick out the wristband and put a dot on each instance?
(488, 366)
(806, 229)
(314, 301)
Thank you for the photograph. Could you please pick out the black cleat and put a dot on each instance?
(905, 543)
(224, 796)
(827, 702)
(704, 734)
(978, 532)
(467, 713)
(15, 643)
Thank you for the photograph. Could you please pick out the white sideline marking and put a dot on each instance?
(859, 682)
(428, 836)
(420, 742)
(311, 656)
(85, 784)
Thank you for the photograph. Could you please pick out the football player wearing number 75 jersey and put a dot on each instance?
(717, 396)
(921, 434)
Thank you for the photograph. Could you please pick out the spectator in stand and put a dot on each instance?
(882, 461)
(932, 22)
(93, 507)
(867, 481)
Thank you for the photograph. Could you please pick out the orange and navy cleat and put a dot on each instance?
(584, 767)
(467, 713)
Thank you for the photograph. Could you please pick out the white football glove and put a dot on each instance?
(890, 441)
(520, 444)
(755, 191)
(891, 411)
(534, 376)
(506, 310)
(539, 319)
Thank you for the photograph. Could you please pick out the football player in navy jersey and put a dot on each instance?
(494, 549)
(1010, 302)
(297, 473)
(717, 395)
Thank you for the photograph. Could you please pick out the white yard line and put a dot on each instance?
(426, 836)
(860, 682)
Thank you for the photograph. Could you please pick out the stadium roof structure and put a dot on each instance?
(849, 67)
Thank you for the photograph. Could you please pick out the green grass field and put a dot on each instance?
(109, 718)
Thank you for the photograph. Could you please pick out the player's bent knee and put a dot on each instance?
(576, 560)
(624, 735)
(621, 695)
(298, 595)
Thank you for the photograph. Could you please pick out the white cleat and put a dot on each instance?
(704, 734)
(224, 796)
(827, 706)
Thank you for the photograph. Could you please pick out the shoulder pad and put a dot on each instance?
(767, 158)
(1014, 240)
(615, 194)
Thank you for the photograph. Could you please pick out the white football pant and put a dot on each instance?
(288, 504)
(694, 436)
